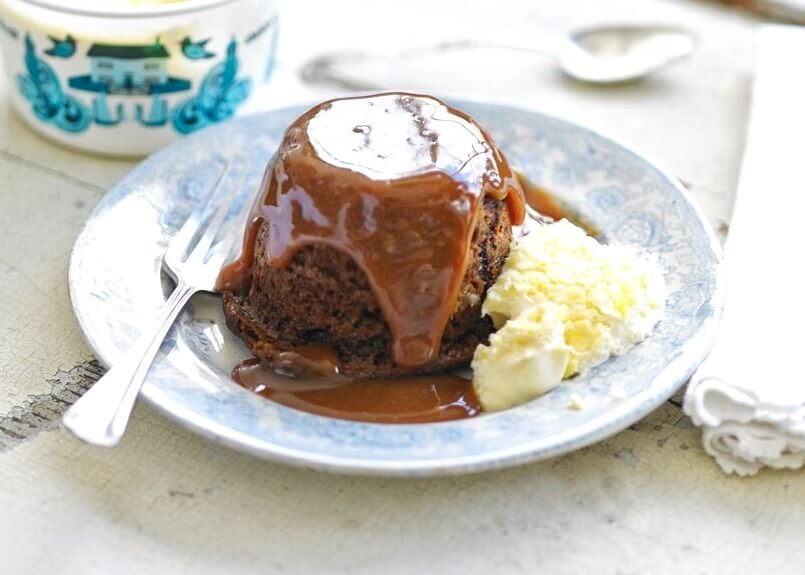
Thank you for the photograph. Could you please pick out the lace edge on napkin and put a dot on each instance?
(741, 431)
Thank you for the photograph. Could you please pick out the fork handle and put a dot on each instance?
(99, 417)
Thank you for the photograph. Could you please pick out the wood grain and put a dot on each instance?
(42, 412)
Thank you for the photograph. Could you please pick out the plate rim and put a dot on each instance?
(633, 408)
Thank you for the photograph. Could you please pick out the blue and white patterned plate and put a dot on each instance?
(116, 286)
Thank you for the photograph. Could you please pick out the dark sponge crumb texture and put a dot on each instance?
(323, 297)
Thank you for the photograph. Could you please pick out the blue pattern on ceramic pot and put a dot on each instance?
(126, 81)
(196, 50)
(129, 70)
(61, 48)
(41, 87)
(217, 99)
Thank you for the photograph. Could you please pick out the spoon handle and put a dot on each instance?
(339, 68)
(545, 45)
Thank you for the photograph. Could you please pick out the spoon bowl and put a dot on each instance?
(615, 54)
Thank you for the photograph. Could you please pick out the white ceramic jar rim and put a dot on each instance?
(133, 11)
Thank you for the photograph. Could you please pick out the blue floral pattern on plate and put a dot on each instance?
(116, 285)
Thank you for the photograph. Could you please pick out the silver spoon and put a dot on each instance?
(608, 54)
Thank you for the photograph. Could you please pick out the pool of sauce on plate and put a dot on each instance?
(547, 204)
(540, 199)
(423, 399)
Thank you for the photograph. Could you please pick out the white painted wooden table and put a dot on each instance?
(165, 501)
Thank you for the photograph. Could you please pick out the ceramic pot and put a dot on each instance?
(127, 79)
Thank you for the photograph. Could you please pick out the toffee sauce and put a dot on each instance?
(396, 182)
(423, 399)
(540, 199)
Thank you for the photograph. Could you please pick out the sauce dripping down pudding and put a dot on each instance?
(396, 182)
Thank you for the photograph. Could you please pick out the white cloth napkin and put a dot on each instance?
(749, 395)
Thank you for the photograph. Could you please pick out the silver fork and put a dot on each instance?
(100, 416)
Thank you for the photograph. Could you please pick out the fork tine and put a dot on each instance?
(214, 226)
(223, 249)
(181, 242)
